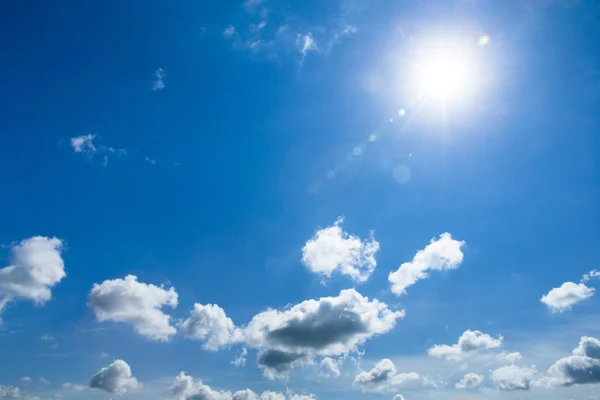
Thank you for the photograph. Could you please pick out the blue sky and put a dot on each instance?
(373, 199)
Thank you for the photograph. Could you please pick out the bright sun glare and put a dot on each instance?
(445, 73)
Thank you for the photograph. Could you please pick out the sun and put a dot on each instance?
(445, 72)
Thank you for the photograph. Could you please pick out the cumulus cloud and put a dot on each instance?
(470, 342)
(9, 392)
(331, 249)
(566, 296)
(398, 397)
(470, 381)
(186, 387)
(84, 143)
(582, 367)
(210, 324)
(36, 267)
(330, 367)
(330, 326)
(513, 377)
(115, 379)
(383, 377)
(240, 360)
(25, 379)
(136, 303)
(511, 357)
(442, 254)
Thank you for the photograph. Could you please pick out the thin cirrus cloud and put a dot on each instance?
(383, 378)
(332, 249)
(159, 80)
(327, 327)
(135, 303)
(564, 297)
(88, 146)
(271, 32)
(442, 254)
(36, 267)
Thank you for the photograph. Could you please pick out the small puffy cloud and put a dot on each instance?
(305, 43)
(566, 296)
(159, 79)
(209, 323)
(75, 387)
(136, 303)
(186, 387)
(25, 379)
(398, 397)
(470, 381)
(582, 367)
(44, 381)
(330, 367)
(9, 392)
(513, 377)
(36, 267)
(331, 249)
(591, 275)
(442, 254)
(115, 379)
(383, 377)
(83, 143)
(330, 326)
(240, 360)
(47, 338)
(469, 342)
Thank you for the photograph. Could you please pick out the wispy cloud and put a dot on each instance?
(159, 82)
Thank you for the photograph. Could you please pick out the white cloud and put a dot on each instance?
(210, 323)
(566, 296)
(47, 337)
(509, 357)
(9, 392)
(115, 379)
(159, 81)
(25, 379)
(470, 342)
(240, 360)
(398, 397)
(383, 377)
(36, 267)
(75, 387)
(349, 30)
(332, 249)
(330, 367)
(44, 381)
(306, 43)
(442, 254)
(583, 367)
(229, 31)
(470, 381)
(139, 304)
(304, 396)
(513, 377)
(84, 144)
(330, 326)
(591, 275)
(186, 387)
